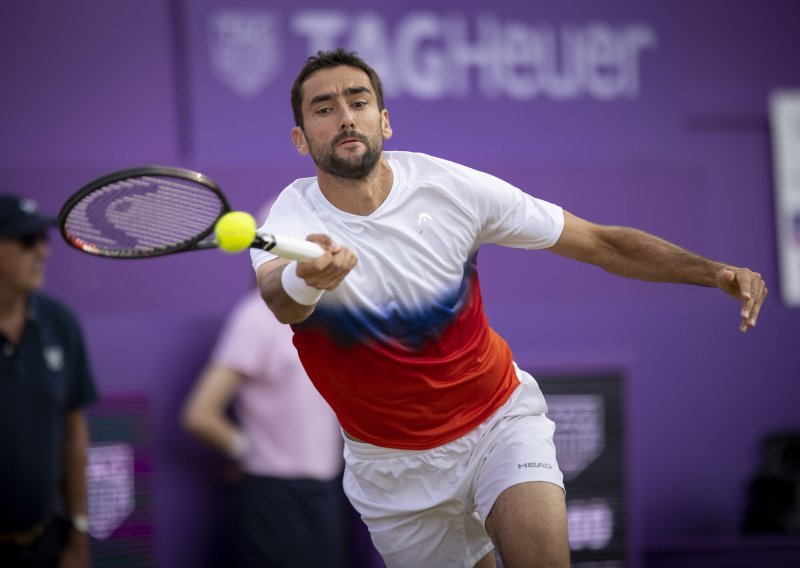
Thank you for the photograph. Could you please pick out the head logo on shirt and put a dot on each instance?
(54, 357)
(422, 220)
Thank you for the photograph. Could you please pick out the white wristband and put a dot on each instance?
(80, 523)
(296, 288)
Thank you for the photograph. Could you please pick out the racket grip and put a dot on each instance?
(289, 247)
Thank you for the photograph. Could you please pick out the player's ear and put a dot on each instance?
(386, 128)
(299, 141)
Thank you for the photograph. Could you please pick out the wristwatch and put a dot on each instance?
(80, 523)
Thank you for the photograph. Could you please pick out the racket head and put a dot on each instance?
(143, 212)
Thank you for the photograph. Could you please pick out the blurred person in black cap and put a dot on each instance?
(45, 381)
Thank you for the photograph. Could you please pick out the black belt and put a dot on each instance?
(26, 537)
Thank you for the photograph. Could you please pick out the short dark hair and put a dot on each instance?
(327, 60)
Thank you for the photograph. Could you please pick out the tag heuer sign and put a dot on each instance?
(245, 50)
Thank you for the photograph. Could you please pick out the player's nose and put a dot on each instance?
(347, 120)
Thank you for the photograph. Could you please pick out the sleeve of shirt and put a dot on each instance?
(516, 219)
(291, 215)
(507, 215)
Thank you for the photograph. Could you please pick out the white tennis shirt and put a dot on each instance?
(402, 350)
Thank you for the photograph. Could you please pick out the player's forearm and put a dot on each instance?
(286, 309)
(635, 254)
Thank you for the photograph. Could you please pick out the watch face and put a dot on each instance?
(80, 523)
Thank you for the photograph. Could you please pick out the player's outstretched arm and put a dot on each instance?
(635, 254)
(292, 289)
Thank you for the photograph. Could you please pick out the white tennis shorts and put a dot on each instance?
(428, 507)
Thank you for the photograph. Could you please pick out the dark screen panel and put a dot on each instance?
(120, 482)
(590, 443)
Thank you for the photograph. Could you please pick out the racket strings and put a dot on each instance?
(141, 215)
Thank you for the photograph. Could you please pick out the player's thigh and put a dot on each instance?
(520, 450)
(520, 494)
(528, 524)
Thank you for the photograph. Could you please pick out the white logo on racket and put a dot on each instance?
(423, 219)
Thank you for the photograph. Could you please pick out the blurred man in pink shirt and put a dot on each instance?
(290, 509)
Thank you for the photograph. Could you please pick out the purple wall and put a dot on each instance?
(91, 86)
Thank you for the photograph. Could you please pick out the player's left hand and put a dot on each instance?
(747, 287)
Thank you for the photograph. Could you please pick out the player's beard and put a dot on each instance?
(356, 167)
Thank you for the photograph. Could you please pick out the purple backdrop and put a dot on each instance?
(91, 86)
(460, 72)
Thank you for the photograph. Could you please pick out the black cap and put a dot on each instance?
(18, 216)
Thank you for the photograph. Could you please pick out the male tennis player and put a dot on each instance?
(448, 450)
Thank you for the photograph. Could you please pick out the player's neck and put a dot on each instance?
(358, 196)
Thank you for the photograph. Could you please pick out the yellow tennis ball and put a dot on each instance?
(235, 231)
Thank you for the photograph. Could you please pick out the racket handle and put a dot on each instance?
(288, 247)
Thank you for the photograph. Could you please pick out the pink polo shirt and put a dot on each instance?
(291, 431)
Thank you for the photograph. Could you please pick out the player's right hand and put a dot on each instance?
(327, 271)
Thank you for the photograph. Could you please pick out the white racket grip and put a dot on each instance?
(291, 247)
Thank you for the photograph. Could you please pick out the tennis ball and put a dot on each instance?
(235, 231)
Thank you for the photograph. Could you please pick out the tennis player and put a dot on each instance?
(448, 450)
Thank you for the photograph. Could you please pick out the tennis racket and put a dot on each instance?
(154, 211)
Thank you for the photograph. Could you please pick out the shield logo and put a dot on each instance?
(110, 485)
(245, 50)
(580, 430)
(54, 357)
